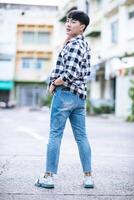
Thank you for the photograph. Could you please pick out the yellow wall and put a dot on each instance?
(32, 74)
(33, 51)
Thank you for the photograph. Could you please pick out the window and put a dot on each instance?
(131, 14)
(39, 63)
(98, 3)
(28, 37)
(35, 63)
(87, 6)
(27, 62)
(40, 38)
(114, 32)
(43, 37)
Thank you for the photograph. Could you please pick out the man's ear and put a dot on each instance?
(83, 27)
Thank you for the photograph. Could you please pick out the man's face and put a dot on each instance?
(73, 27)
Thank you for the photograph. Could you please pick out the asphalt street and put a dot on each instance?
(23, 140)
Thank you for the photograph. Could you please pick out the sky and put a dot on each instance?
(33, 2)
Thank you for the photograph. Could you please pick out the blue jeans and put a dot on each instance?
(65, 105)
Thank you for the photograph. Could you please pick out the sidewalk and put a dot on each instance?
(23, 142)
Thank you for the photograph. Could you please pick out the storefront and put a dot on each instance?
(29, 94)
(5, 90)
(123, 71)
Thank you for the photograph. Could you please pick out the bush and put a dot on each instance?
(96, 110)
(103, 109)
(130, 118)
(46, 101)
(88, 106)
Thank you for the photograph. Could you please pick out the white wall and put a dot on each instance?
(95, 90)
(9, 18)
(6, 70)
(123, 102)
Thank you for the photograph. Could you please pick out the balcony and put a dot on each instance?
(93, 33)
(111, 8)
(126, 2)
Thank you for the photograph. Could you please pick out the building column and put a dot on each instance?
(123, 15)
(123, 102)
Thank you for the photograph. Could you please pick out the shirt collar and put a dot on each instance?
(76, 38)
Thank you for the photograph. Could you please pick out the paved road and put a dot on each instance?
(23, 139)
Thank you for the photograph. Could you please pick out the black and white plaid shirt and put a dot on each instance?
(73, 66)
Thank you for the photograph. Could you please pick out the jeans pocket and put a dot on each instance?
(67, 99)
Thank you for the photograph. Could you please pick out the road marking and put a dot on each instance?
(115, 155)
(30, 132)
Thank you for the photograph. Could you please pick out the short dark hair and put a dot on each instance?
(81, 16)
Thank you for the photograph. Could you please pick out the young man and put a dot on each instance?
(68, 84)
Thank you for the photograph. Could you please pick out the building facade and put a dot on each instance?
(34, 56)
(7, 56)
(112, 53)
(29, 52)
(33, 52)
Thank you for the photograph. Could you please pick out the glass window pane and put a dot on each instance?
(98, 3)
(27, 62)
(114, 32)
(87, 6)
(28, 37)
(40, 63)
(43, 38)
(131, 14)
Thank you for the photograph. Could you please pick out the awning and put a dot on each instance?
(114, 65)
(96, 67)
(6, 85)
(93, 34)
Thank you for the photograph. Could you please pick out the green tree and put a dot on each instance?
(131, 95)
